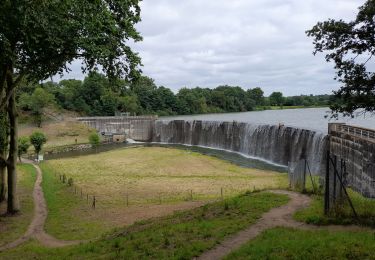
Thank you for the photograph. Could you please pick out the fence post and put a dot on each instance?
(221, 191)
(191, 194)
(127, 199)
(334, 180)
(304, 176)
(94, 202)
(326, 192)
(87, 198)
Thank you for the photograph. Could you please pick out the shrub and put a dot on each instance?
(94, 139)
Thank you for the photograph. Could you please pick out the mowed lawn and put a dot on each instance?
(151, 174)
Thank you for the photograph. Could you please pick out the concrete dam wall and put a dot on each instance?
(138, 128)
(356, 146)
(276, 144)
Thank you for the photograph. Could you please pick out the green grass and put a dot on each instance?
(146, 175)
(182, 235)
(69, 216)
(12, 227)
(364, 207)
(285, 243)
(146, 172)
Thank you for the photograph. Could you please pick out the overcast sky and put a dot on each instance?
(249, 43)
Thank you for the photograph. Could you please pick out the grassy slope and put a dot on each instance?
(13, 227)
(180, 236)
(284, 243)
(59, 132)
(144, 173)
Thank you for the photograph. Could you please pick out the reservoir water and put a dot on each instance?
(307, 118)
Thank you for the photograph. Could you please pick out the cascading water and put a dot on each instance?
(277, 144)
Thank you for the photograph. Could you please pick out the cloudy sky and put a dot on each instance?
(249, 43)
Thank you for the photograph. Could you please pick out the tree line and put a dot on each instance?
(96, 95)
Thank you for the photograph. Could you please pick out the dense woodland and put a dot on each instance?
(98, 96)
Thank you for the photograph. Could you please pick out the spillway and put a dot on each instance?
(273, 143)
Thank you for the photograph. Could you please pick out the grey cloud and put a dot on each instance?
(240, 42)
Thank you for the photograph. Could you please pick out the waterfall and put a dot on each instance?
(277, 144)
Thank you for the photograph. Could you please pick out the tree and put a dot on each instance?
(257, 95)
(351, 46)
(23, 146)
(3, 150)
(276, 99)
(94, 139)
(38, 139)
(38, 39)
(128, 104)
(36, 103)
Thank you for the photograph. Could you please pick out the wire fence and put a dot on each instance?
(93, 200)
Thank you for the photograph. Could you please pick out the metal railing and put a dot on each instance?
(357, 131)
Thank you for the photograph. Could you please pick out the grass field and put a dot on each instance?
(285, 243)
(12, 227)
(145, 177)
(182, 235)
(148, 173)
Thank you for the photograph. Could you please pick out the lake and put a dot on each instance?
(306, 118)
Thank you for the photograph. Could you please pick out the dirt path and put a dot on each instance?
(36, 227)
(277, 217)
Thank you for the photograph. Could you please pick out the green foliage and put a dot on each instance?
(350, 45)
(276, 99)
(36, 103)
(94, 139)
(23, 145)
(98, 96)
(38, 139)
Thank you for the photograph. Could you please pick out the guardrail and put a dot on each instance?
(357, 131)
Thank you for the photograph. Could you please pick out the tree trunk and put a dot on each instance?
(13, 204)
(2, 183)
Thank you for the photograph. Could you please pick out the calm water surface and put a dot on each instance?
(307, 118)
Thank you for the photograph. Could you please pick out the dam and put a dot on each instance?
(275, 144)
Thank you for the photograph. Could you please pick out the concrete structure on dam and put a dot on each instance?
(138, 128)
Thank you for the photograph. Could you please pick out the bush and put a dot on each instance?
(94, 139)
(37, 139)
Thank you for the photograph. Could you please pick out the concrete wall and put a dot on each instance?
(138, 128)
(356, 146)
